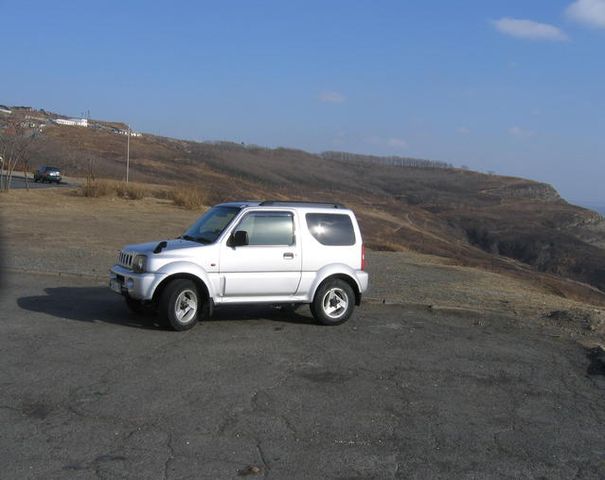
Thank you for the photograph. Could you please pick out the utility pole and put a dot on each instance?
(128, 154)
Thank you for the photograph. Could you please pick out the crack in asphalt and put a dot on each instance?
(267, 467)
(171, 455)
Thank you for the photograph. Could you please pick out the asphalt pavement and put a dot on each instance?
(18, 182)
(88, 390)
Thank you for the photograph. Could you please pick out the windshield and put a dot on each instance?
(210, 225)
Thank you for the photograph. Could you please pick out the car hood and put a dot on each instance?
(173, 248)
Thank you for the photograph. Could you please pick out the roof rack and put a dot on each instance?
(299, 203)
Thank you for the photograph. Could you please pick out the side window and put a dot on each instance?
(269, 228)
(331, 228)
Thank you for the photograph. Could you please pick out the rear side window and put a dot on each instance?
(331, 228)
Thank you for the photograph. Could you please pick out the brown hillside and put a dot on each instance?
(499, 223)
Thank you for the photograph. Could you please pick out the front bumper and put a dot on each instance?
(140, 286)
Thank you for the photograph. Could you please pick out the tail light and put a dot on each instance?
(363, 257)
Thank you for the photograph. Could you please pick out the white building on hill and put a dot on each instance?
(78, 122)
(121, 131)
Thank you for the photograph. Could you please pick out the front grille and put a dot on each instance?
(125, 259)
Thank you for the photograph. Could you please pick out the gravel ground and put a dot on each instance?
(460, 373)
(398, 392)
(59, 232)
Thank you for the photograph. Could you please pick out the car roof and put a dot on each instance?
(240, 204)
(283, 203)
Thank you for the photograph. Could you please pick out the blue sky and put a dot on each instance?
(515, 86)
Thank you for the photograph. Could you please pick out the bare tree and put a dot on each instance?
(16, 138)
(26, 172)
(391, 160)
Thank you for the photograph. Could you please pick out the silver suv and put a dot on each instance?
(270, 252)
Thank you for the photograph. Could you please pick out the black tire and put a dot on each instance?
(135, 306)
(180, 305)
(334, 302)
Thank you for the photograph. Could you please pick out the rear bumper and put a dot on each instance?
(140, 286)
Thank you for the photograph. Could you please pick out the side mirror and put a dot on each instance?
(238, 239)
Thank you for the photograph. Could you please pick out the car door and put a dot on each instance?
(270, 264)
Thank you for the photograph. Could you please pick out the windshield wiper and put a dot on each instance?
(201, 240)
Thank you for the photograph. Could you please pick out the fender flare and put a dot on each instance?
(336, 270)
(185, 269)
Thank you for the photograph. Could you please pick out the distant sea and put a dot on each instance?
(592, 206)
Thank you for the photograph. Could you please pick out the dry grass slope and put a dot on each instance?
(503, 224)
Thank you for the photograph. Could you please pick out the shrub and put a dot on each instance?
(103, 188)
(132, 191)
(185, 196)
(188, 197)
(96, 189)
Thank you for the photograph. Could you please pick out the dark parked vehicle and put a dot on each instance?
(47, 174)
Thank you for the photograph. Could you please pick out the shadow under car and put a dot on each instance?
(99, 304)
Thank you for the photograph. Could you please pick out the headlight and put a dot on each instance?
(139, 263)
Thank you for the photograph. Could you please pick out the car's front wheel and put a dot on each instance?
(334, 302)
(180, 304)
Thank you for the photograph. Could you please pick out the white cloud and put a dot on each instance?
(463, 130)
(390, 143)
(530, 30)
(397, 143)
(520, 132)
(588, 12)
(332, 97)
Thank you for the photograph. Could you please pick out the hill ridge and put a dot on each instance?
(472, 218)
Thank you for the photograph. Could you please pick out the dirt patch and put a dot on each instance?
(587, 319)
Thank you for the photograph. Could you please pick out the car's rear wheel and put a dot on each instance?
(334, 302)
(180, 304)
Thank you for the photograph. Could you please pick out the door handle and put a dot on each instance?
(288, 255)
